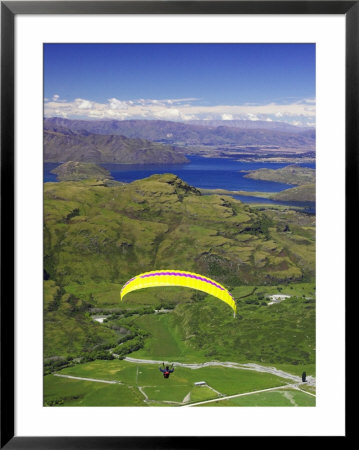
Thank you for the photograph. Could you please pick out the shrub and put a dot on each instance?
(54, 402)
(129, 346)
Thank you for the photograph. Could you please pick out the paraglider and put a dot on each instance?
(179, 278)
(166, 370)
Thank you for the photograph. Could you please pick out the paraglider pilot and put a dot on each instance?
(166, 370)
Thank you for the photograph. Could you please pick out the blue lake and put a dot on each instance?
(205, 173)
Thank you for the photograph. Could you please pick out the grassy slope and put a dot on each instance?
(123, 230)
(303, 177)
(68, 330)
(304, 193)
(74, 171)
(289, 175)
(282, 333)
(227, 192)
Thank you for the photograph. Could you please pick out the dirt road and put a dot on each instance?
(86, 379)
(233, 365)
(240, 395)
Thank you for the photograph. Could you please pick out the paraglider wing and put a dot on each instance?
(179, 278)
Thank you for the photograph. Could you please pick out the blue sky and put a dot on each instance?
(181, 81)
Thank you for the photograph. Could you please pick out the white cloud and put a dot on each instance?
(251, 116)
(302, 112)
(310, 101)
(83, 104)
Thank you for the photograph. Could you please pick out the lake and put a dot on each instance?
(205, 173)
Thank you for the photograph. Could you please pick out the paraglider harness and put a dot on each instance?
(166, 370)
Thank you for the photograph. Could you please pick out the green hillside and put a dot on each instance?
(289, 175)
(95, 233)
(75, 171)
(304, 193)
(69, 330)
(98, 236)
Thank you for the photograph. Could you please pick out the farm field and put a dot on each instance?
(280, 397)
(70, 392)
(143, 385)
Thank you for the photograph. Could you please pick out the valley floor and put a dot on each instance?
(234, 365)
(137, 382)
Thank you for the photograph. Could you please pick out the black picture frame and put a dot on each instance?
(9, 9)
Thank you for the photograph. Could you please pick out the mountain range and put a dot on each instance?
(251, 124)
(187, 134)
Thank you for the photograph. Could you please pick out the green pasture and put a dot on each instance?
(280, 397)
(295, 369)
(202, 393)
(69, 392)
(132, 376)
(274, 206)
(114, 370)
(165, 342)
(308, 388)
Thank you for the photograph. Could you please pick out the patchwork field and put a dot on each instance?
(281, 397)
(70, 392)
(135, 384)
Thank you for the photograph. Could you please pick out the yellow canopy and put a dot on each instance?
(158, 278)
